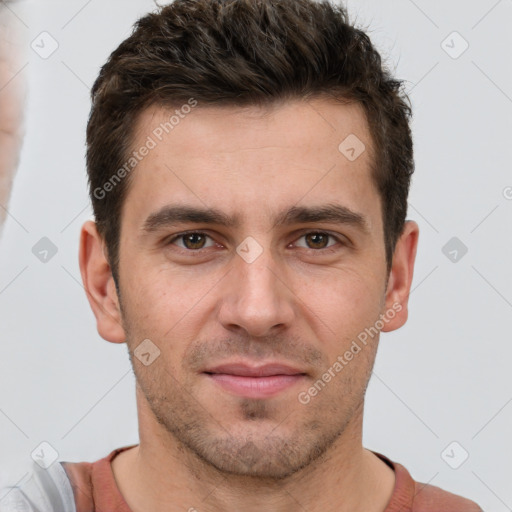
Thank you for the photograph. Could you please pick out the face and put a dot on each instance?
(249, 239)
(10, 106)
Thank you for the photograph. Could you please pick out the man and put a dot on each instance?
(249, 163)
(11, 96)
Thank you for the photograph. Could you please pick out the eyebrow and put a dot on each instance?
(181, 214)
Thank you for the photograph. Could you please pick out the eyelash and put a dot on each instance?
(328, 249)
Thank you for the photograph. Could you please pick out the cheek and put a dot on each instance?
(161, 304)
(346, 301)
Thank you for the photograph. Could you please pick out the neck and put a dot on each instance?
(161, 471)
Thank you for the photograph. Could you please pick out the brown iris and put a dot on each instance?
(194, 241)
(314, 240)
(317, 240)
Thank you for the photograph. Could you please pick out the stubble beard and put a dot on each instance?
(258, 447)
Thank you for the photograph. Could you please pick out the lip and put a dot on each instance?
(255, 381)
(247, 370)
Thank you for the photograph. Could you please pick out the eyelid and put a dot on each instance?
(320, 232)
(170, 241)
(340, 239)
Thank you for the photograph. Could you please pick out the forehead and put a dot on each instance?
(252, 157)
(310, 124)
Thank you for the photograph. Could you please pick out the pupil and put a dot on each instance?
(191, 240)
(318, 238)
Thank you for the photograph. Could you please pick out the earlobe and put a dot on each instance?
(99, 284)
(400, 278)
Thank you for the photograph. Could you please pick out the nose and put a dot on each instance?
(256, 297)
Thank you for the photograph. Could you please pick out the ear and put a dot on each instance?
(99, 284)
(400, 278)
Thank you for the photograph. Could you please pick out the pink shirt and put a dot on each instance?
(95, 489)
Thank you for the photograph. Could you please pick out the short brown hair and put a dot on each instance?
(242, 53)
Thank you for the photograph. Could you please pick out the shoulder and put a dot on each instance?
(93, 484)
(411, 496)
(429, 498)
(79, 477)
(62, 486)
(39, 490)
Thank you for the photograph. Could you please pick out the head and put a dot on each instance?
(198, 51)
(270, 129)
(11, 92)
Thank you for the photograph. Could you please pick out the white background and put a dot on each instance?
(443, 377)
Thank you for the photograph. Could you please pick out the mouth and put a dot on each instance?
(249, 381)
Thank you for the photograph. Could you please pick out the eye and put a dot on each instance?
(318, 240)
(195, 241)
(192, 241)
